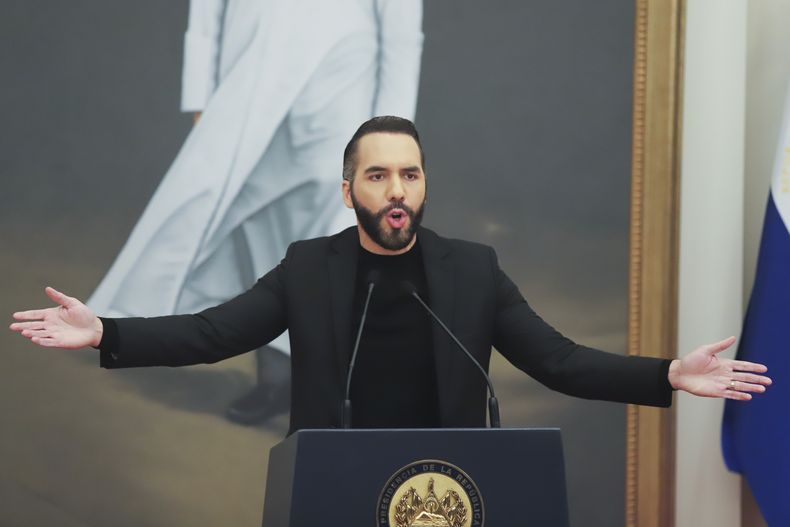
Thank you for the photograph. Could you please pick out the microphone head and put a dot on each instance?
(372, 277)
(408, 288)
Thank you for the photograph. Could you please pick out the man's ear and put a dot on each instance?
(346, 188)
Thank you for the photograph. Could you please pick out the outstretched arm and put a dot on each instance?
(241, 324)
(532, 345)
(70, 325)
(703, 373)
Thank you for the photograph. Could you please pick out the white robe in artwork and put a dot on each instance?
(283, 84)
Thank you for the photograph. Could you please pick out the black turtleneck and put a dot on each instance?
(394, 383)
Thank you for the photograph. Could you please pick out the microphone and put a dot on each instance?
(371, 279)
(493, 404)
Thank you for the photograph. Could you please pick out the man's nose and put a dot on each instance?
(395, 191)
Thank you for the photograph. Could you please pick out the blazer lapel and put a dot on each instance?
(342, 278)
(440, 275)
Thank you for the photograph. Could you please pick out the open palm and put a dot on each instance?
(703, 373)
(69, 325)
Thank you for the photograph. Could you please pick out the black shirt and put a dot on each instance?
(394, 380)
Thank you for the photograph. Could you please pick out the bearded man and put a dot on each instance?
(408, 373)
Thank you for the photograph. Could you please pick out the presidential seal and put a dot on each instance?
(430, 493)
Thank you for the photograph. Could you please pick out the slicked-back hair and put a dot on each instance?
(389, 124)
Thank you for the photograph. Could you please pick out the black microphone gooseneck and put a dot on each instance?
(493, 404)
(371, 279)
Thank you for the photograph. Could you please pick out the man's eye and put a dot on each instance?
(411, 176)
(376, 177)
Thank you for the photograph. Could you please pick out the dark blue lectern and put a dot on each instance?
(403, 478)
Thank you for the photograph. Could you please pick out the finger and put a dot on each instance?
(36, 333)
(751, 378)
(742, 365)
(738, 396)
(740, 386)
(60, 298)
(47, 342)
(718, 347)
(33, 314)
(19, 326)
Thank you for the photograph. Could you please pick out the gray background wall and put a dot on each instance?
(525, 113)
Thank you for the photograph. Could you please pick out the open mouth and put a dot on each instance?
(397, 218)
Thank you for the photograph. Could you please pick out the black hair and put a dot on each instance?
(382, 124)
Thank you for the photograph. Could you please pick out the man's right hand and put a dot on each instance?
(71, 325)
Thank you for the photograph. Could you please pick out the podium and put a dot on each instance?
(403, 478)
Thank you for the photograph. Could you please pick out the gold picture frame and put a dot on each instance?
(653, 253)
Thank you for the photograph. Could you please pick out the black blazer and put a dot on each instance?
(311, 294)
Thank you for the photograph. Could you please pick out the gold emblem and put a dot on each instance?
(430, 493)
(414, 511)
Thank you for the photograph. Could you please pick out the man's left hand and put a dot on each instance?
(702, 373)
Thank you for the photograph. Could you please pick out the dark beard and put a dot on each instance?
(395, 239)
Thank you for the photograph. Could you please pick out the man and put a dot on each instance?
(409, 373)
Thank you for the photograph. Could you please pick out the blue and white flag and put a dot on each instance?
(756, 434)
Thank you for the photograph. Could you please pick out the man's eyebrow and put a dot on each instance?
(376, 168)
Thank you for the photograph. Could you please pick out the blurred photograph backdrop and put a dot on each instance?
(524, 109)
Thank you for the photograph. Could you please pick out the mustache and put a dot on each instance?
(392, 206)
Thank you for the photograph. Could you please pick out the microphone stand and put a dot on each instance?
(493, 404)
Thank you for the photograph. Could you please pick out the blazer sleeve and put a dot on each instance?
(535, 347)
(201, 53)
(244, 323)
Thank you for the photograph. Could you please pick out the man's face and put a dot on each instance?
(388, 191)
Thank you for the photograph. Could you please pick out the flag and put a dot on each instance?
(756, 434)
